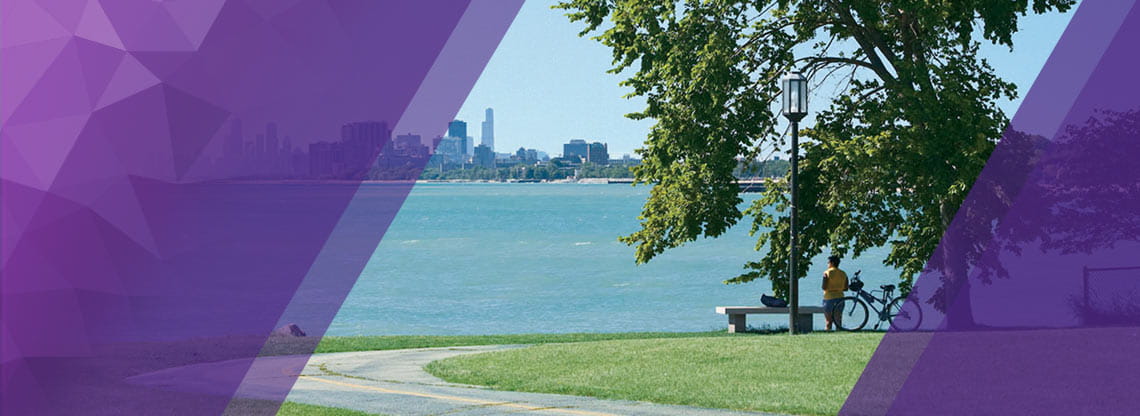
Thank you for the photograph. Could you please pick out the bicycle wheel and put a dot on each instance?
(852, 314)
(904, 316)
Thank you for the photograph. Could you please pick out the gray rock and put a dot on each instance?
(290, 330)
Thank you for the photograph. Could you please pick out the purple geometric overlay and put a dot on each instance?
(180, 178)
(1031, 302)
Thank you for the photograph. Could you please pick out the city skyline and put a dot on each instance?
(569, 93)
(369, 148)
(542, 104)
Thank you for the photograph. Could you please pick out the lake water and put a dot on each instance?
(517, 258)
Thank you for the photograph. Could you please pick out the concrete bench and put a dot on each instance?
(737, 315)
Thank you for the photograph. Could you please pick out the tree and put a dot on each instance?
(890, 158)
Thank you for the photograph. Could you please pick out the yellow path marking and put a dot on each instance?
(457, 398)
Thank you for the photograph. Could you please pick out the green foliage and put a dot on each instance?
(888, 161)
(399, 342)
(802, 374)
(762, 169)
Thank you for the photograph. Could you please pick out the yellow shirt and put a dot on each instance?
(834, 283)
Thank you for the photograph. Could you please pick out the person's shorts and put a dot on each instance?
(832, 305)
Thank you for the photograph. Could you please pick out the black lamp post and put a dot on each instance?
(795, 108)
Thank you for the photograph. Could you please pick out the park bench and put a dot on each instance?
(737, 315)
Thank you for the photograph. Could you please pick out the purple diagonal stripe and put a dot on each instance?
(1029, 300)
(174, 173)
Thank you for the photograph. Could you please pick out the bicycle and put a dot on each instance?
(899, 314)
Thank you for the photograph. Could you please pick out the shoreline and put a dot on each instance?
(588, 181)
(582, 181)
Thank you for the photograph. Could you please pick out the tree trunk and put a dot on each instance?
(956, 281)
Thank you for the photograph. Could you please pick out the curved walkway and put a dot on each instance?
(394, 383)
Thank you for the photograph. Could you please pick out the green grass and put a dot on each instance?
(300, 409)
(396, 342)
(804, 374)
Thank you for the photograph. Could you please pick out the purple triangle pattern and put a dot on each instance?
(143, 229)
(1029, 303)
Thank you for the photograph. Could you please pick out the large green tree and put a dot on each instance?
(913, 117)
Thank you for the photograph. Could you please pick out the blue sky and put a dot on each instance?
(547, 85)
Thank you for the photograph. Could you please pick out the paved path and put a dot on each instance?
(394, 383)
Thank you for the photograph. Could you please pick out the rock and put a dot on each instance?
(290, 330)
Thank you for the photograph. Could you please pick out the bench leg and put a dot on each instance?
(736, 323)
(804, 322)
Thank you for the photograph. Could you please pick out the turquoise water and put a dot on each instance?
(516, 258)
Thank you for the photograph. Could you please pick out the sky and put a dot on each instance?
(547, 85)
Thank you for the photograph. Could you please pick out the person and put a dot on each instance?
(834, 284)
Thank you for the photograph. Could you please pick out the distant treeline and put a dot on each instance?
(555, 170)
(762, 169)
(549, 171)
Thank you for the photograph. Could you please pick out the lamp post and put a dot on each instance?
(795, 108)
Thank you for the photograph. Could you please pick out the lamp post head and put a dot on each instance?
(795, 95)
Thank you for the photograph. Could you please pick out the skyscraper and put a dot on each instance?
(362, 141)
(598, 153)
(271, 141)
(489, 129)
(576, 149)
(457, 128)
(484, 156)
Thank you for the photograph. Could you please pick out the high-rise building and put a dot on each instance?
(410, 145)
(457, 128)
(409, 140)
(362, 141)
(598, 154)
(271, 141)
(451, 149)
(527, 155)
(576, 149)
(489, 129)
(326, 159)
(484, 156)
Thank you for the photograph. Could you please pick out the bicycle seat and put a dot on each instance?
(887, 287)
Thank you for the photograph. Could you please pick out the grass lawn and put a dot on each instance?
(396, 342)
(804, 374)
(299, 409)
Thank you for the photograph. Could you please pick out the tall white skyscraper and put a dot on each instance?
(489, 130)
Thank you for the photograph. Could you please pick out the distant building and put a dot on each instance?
(598, 153)
(484, 156)
(361, 143)
(489, 129)
(410, 145)
(271, 148)
(577, 149)
(259, 148)
(457, 128)
(409, 140)
(451, 149)
(326, 159)
(528, 156)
